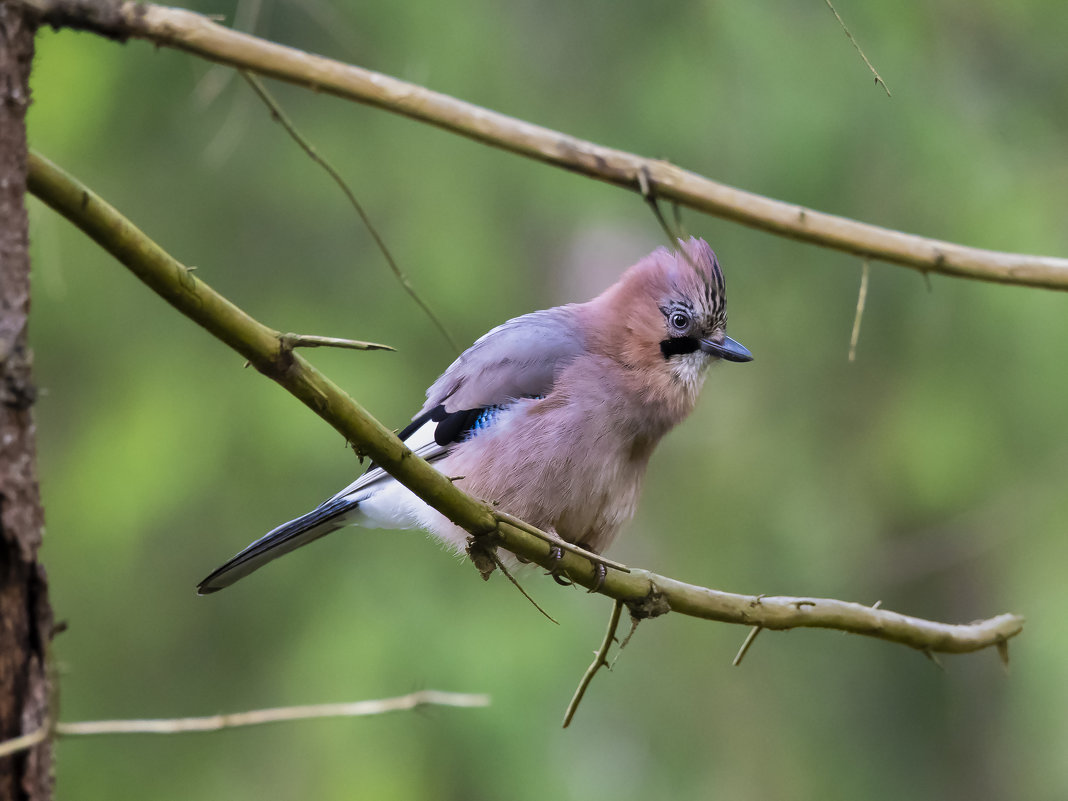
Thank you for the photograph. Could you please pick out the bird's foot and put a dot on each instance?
(600, 569)
(556, 555)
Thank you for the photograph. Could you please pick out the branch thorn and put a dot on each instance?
(937, 662)
(1003, 653)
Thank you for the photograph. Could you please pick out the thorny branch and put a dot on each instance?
(600, 660)
(646, 594)
(195, 33)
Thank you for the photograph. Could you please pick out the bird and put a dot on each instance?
(552, 415)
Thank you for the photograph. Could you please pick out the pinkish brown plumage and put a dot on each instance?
(553, 415)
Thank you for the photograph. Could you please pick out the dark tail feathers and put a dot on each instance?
(287, 537)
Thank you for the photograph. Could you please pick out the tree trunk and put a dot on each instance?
(25, 614)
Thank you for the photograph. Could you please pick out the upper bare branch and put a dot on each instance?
(197, 34)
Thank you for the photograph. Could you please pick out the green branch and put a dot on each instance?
(646, 594)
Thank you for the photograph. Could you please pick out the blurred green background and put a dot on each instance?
(930, 474)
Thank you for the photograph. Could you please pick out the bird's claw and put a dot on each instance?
(556, 555)
(600, 573)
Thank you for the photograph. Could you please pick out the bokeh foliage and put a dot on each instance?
(930, 474)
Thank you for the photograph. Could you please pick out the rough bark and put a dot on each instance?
(25, 614)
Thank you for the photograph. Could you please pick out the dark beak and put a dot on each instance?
(727, 349)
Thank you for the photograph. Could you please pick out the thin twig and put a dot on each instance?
(645, 187)
(753, 632)
(563, 545)
(257, 717)
(292, 341)
(24, 742)
(600, 660)
(260, 345)
(878, 77)
(500, 565)
(254, 717)
(313, 154)
(861, 297)
(674, 235)
(676, 211)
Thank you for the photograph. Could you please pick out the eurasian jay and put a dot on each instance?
(552, 416)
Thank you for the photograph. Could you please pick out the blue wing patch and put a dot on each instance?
(460, 426)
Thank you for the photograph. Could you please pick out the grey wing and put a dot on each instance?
(519, 358)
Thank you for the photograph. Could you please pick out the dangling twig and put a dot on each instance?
(493, 555)
(878, 78)
(648, 193)
(745, 645)
(313, 154)
(675, 235)
(861, 297)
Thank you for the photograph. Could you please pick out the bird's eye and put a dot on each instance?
(679, 320)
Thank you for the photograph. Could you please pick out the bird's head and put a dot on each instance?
(668, 313)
